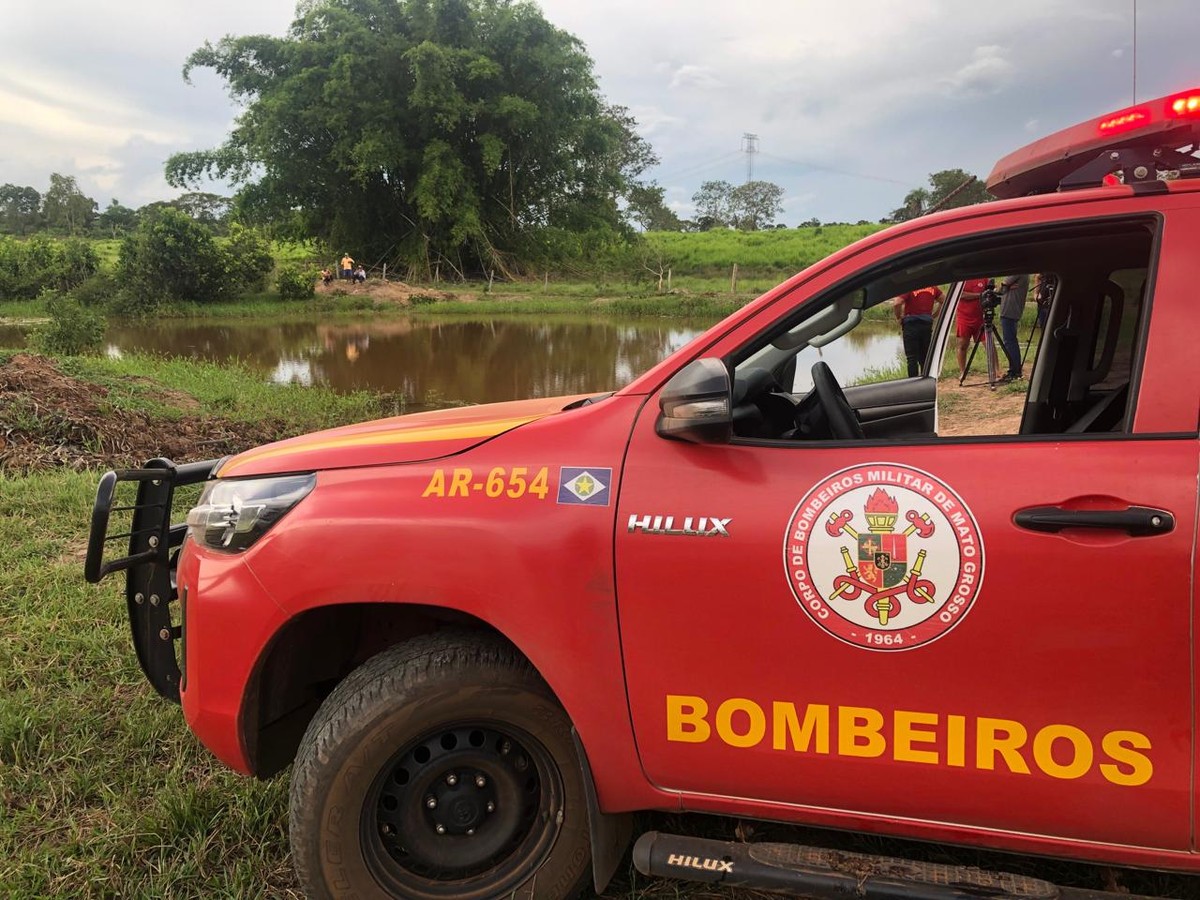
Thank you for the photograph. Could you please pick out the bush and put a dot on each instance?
(76, 261)
(28, 267)
(173, 258)
(72, 330)
(296, 283)
(248, 257)
(99, 290)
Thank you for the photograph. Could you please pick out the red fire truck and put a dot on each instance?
(483, 638)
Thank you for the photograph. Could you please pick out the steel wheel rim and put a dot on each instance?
(465, 809)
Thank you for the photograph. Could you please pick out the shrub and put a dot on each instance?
(76, 262)
(99, 290)
(28, 267)
(296, 283)
(73, 330)
(171, 257)
(248, 258)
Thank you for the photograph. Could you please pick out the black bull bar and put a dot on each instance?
(150, 588)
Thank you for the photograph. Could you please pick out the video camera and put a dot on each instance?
(1045, 289)
(990, 298)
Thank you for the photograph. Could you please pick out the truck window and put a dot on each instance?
(1073, 295)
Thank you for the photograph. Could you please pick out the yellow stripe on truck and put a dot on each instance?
(397, 436)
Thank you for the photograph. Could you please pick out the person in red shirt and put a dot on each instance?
(915, 311)
(968, 320)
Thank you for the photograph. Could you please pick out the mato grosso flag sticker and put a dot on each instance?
(884, 556)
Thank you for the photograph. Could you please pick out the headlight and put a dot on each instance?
(232, 515)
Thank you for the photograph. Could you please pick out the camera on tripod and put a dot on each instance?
(1046, 287)
(990, 298)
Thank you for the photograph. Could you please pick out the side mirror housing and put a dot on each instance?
(696, 404)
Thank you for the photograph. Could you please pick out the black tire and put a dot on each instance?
(459, 719)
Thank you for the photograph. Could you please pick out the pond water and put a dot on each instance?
(434, 360)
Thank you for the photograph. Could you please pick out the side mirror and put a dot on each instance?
(696, 404)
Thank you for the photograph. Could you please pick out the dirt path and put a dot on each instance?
(978, 409)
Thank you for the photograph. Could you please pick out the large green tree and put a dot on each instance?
(117, 219)
(648, 207)
(461, 131)
(66, 207)
(948, 189)
(747, 207)
(20, 208)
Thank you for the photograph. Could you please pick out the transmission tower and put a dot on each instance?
(749, 147)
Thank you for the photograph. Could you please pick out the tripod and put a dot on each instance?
(991, 340)
(1044, 297)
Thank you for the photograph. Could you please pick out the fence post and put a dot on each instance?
(733, 280)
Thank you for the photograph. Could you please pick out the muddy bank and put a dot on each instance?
(50, 420)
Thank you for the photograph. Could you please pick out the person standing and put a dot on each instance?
(968, 320)
(915, 311)
(1014, 289)
(347, 267)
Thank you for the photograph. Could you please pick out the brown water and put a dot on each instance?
(452, 359)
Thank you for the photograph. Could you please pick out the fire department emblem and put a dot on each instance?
(884, 556)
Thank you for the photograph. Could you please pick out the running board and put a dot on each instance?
(835, 874)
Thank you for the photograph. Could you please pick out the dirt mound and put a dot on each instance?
(50, 420)
(380, 291)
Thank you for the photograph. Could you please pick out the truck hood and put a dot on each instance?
(400, 439)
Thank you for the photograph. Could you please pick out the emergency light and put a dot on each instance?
(1141, 142)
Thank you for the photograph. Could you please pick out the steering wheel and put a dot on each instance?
(843, 422)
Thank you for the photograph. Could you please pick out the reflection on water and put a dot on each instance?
(471, 360)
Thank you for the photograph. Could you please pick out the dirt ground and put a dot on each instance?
(49, 420)
(977, 409)
(380, 291)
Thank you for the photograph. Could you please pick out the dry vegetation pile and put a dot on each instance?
(383, 292)
(50, 420)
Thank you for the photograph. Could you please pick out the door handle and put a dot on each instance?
(1136, 521)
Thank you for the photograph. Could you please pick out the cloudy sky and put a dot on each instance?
(854, 102)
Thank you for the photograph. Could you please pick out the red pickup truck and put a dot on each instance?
(483, 638)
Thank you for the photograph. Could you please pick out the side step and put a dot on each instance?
(835, 874)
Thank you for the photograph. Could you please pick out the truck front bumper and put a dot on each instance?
(190, 610)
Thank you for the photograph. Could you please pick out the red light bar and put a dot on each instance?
(1183, 105)
(1168, 122)
(1126, 121)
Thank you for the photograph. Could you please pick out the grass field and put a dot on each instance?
(778, 251)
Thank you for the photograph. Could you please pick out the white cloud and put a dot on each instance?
(988, 72)
(652, 120)
(697, 77)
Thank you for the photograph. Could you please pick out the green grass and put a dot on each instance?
(779, 251)
(104, 792)
(20, 310)
(229, 390)
(267, 305)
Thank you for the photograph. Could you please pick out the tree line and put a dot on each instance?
(64, 209)
(467, 137)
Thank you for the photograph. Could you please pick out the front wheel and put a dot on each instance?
(441, 768)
